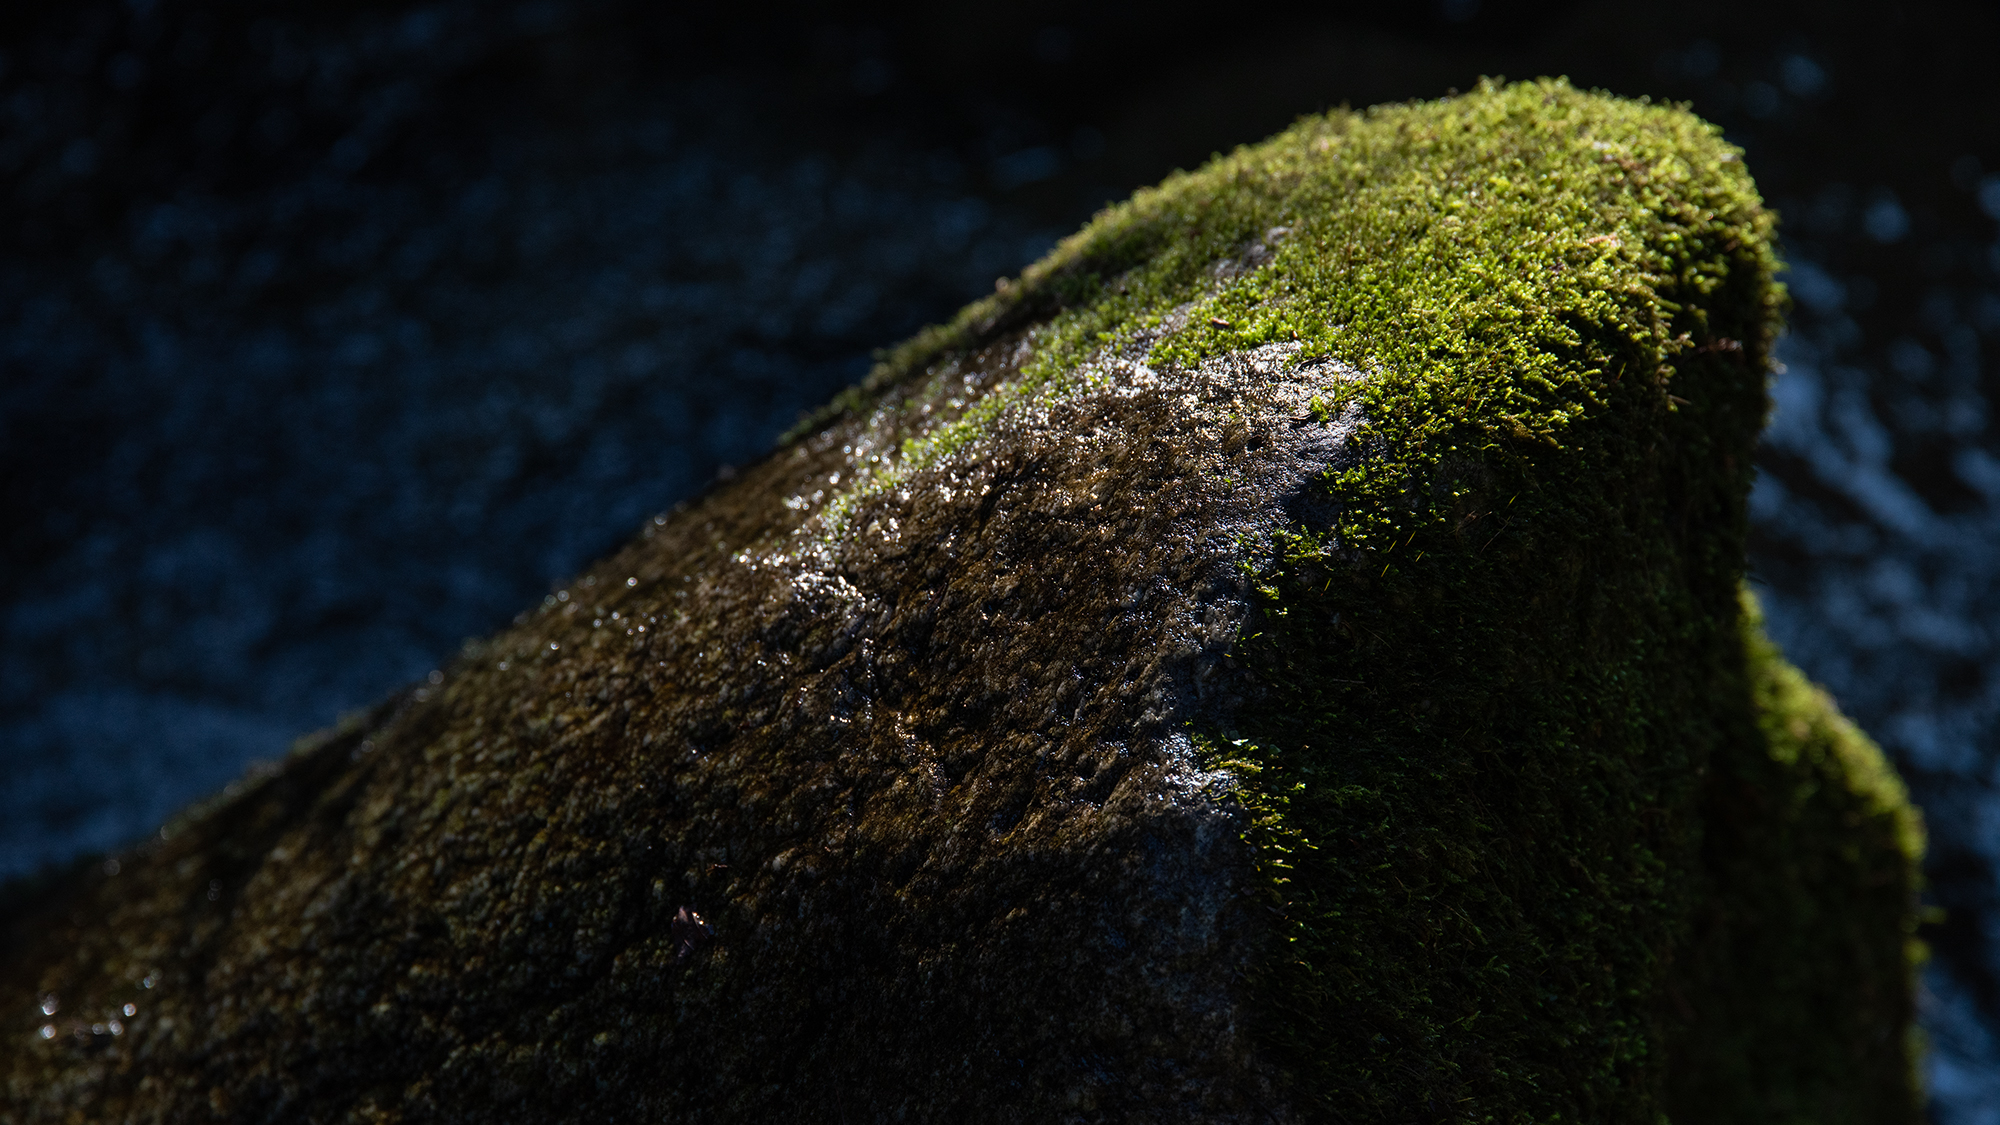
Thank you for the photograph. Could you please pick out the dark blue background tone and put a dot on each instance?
(334, 334)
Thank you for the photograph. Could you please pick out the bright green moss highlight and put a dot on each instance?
(1811, 741)
(1491, 260)
(1552, 833)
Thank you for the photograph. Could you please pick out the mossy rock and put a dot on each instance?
(1281, 658)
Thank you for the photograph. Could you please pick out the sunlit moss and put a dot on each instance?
(1506, 682)
(1510, 812)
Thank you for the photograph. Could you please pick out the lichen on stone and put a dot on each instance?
(1280, 658)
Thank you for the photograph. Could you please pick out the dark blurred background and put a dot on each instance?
(333, 334)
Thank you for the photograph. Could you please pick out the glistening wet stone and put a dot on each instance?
(1279, 659)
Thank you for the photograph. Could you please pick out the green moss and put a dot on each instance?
(1796, 974)
(1498, 262)
(1497, 679)
(1546, 830)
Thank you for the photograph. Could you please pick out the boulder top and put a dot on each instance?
(1451, 244)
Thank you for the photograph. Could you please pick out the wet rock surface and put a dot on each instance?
(885, 781)
(902, 810)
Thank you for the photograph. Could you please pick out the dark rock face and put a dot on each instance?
(904, 812)
(888, 781)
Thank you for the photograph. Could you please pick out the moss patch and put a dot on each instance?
(1498, 676)
(1794, 984)
(857, 789)
(1495, 260)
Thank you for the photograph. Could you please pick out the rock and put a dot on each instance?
(1281, 658)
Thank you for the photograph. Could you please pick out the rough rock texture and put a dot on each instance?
(1280, 659)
